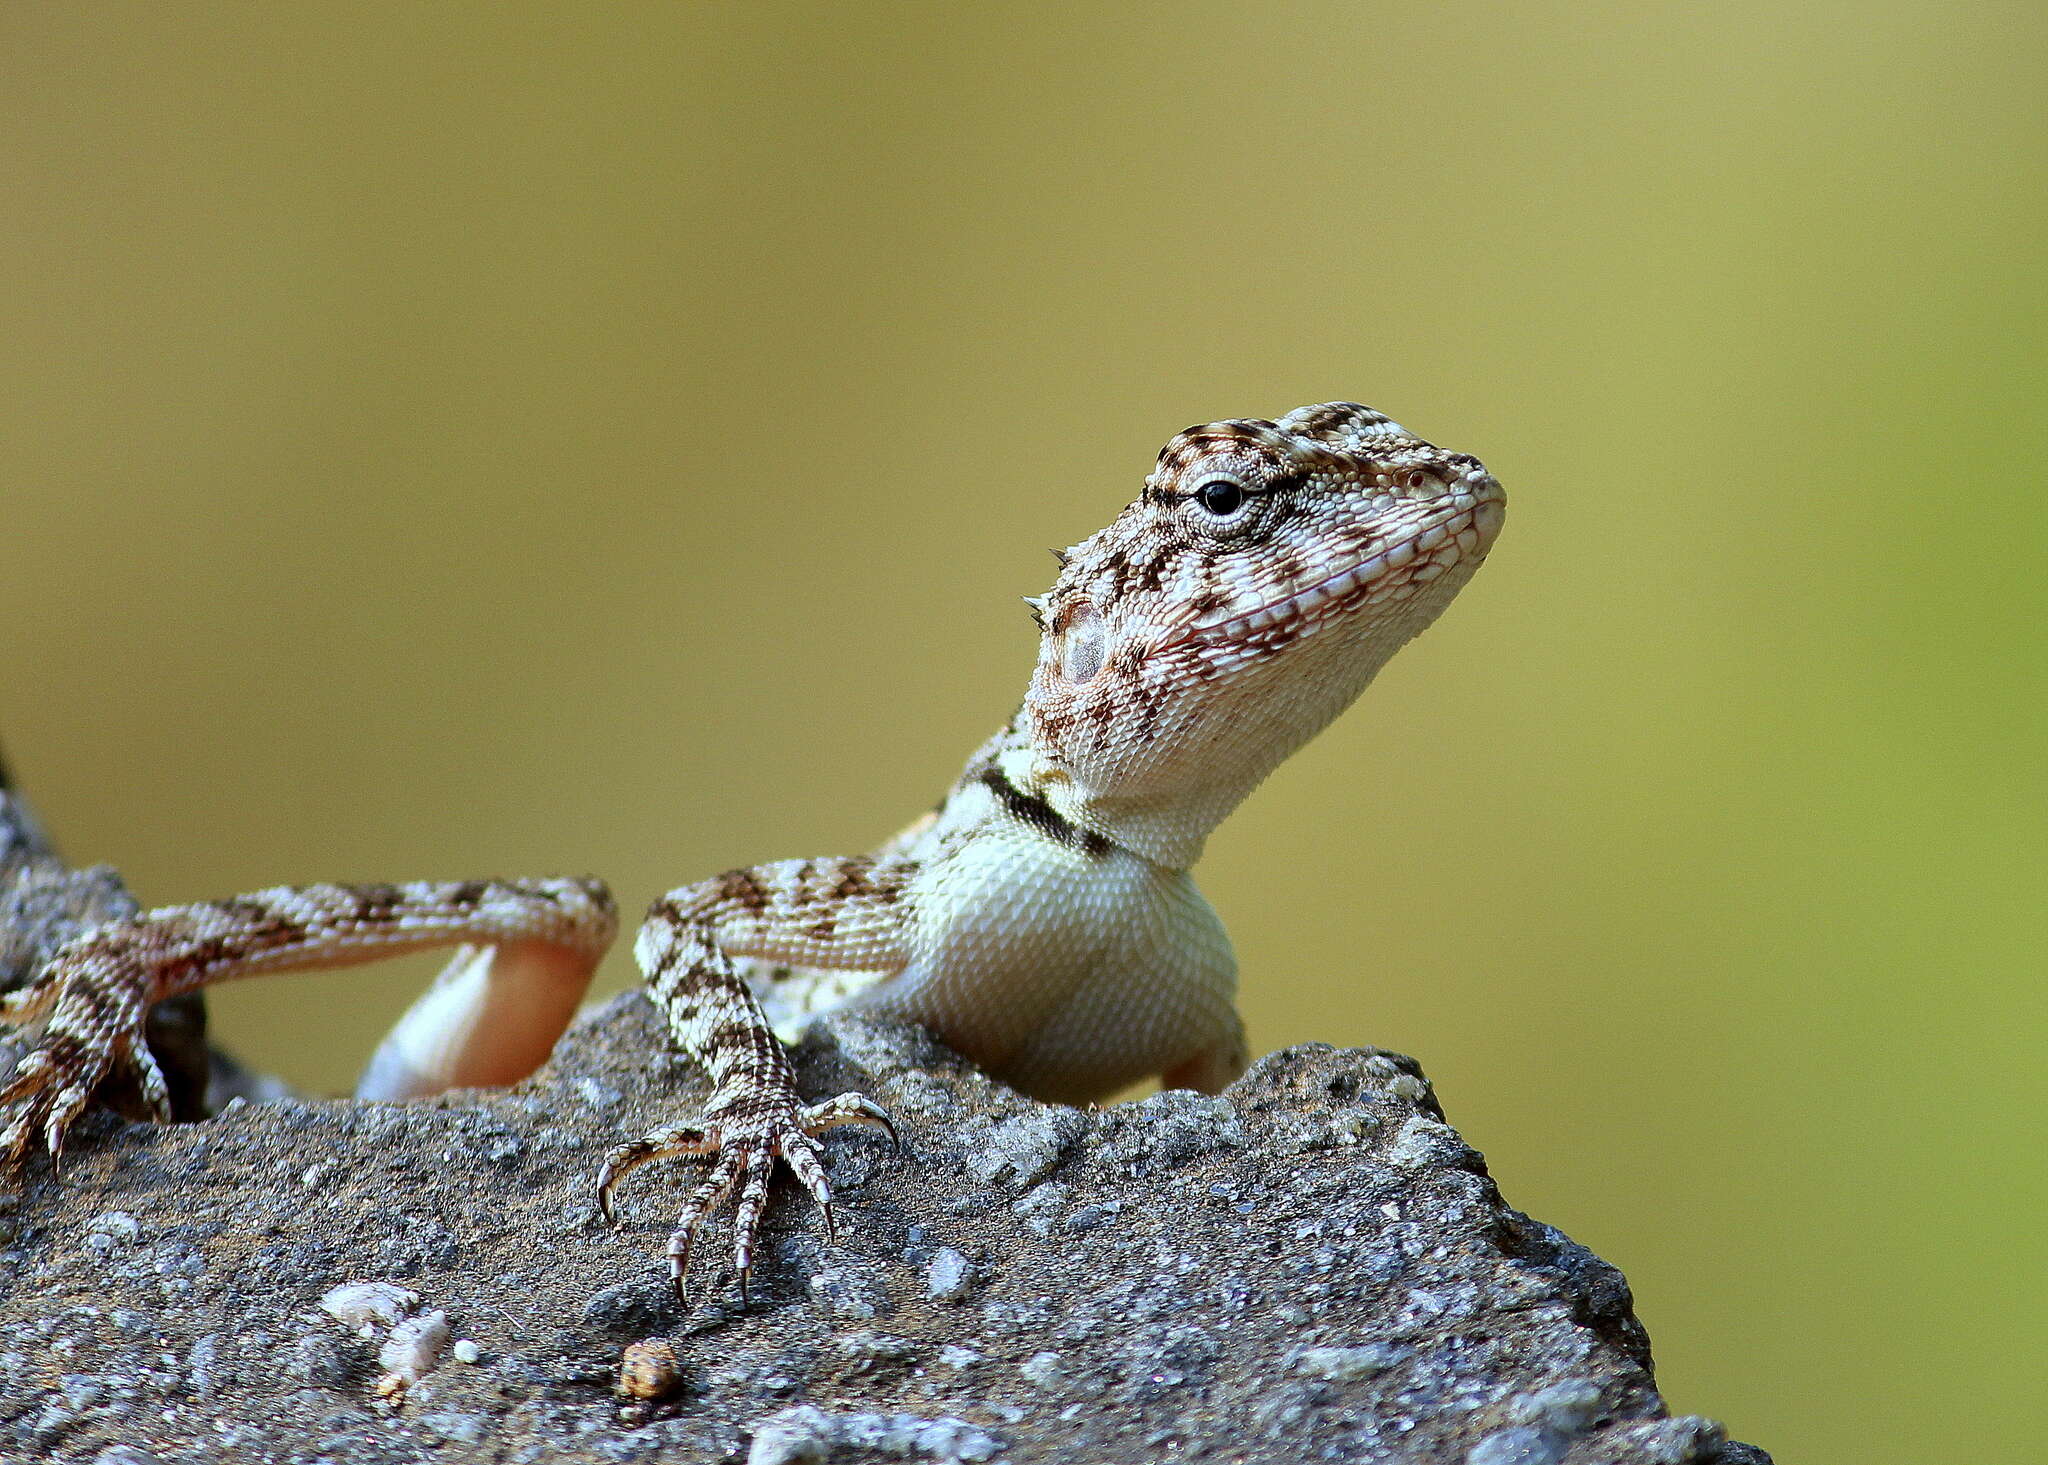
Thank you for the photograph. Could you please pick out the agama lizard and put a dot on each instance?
(1042, 922)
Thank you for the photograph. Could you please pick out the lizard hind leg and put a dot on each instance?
(87, 1005)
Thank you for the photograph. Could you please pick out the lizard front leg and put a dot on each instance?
(91, 997)
(844, 915)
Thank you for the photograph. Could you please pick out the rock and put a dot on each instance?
(950, 1276)
(1313, 1266)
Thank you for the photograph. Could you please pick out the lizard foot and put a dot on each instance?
(742, 1150)
(90, 1004)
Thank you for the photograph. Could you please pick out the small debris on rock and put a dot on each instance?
(1044, 1369)
(116, 1226)
(950, 1277)
(1519, 1446)
(1017, 1153)
(1343, 1363)
(363, 1307)
(807, 1435)
(650, 1369)
(410, 1353)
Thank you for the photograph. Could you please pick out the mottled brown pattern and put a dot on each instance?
(1263, 575)
(93, 995)
(742, 887)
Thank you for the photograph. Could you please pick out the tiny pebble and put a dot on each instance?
(650, 1369)
(118, 1224)
(949, 1276)
(411, 1352)
(1342, 1363)
(1047, 1370)
(360, 1305)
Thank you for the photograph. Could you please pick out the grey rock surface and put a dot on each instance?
(1314, 1266)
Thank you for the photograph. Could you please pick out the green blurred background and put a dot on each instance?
(449, 440)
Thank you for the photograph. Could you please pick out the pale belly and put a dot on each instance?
(1065, 974)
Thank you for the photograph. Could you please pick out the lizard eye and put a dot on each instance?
(1221, 497)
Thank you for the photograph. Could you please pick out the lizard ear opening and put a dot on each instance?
(1081, 644)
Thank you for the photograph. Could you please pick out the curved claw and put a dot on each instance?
(679, 1270)
(851, 1109)
(50, 1089)
(695, 1209)
(679, 1141)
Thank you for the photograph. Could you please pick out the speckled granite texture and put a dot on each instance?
(1312, 1267)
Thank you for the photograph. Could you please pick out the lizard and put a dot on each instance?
(1042, 921)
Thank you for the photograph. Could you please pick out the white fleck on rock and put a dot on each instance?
(801, 1435)
(1407, 1086)
(595, 1094)
(805, 1435)
(202, 1366)
(1566, 1407)
(366, 1306)
(1041, 1208)
(1019, 1152)
(1424, 1144)
(1683, 1440)
(1350, 1127)
(411, 1352)
(1339, 1364)
(454, 1426)
(950, 1276)
(871, 1352)
(847, 1293)
(1047, 1370)
(118, 1225)
(466, 1351)
(1522, 1446)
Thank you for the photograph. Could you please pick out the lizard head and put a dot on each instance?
(1243, 600)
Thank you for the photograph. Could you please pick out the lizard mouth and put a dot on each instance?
(1408, 561)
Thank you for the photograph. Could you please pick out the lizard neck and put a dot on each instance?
(1198, 769)
(1020, 779)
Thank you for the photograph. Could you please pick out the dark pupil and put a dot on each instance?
(1220, 496)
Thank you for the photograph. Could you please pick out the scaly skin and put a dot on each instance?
(1043, 922)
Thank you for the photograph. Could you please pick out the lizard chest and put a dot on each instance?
(1065, 971)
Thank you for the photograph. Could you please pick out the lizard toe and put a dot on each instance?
(850, 1109)
(700, 1204)
(675, 1141)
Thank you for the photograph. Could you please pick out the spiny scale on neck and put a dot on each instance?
(1249, 594)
